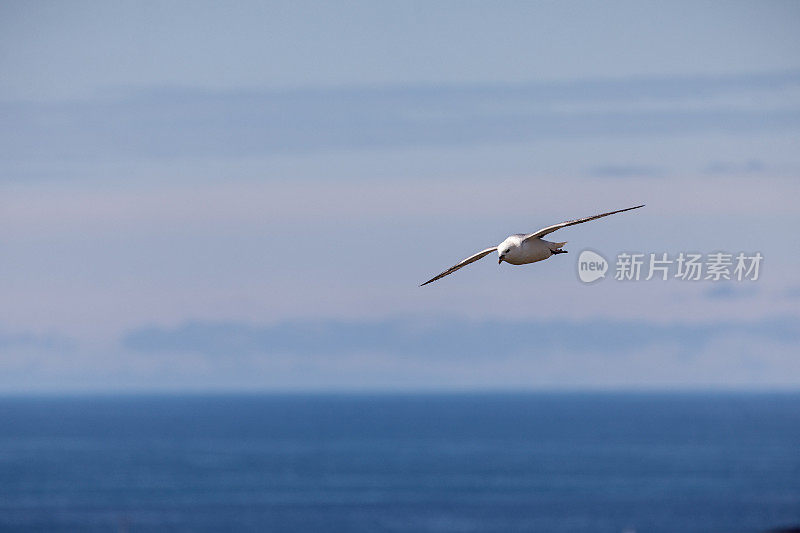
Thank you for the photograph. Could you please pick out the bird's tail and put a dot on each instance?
(557, 245)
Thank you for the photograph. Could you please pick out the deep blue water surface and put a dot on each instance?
(483, 462)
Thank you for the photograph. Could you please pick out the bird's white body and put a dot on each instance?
(518, 250)
(524, 248)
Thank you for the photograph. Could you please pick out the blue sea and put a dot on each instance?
(547, 462)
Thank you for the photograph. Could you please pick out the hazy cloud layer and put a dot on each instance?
(181, 122)
(16, 340)
(453, 339)
(728, 291)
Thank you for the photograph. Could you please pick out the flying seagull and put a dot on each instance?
(523, 248)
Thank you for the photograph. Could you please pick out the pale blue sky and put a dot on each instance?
(61, 50)
(192, 191)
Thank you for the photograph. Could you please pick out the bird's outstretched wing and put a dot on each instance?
(550, 229)
(463, 263)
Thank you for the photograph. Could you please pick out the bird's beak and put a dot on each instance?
(500, 260)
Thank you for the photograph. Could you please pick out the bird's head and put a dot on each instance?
(502, 251)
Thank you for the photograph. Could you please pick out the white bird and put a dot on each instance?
(524, 248)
